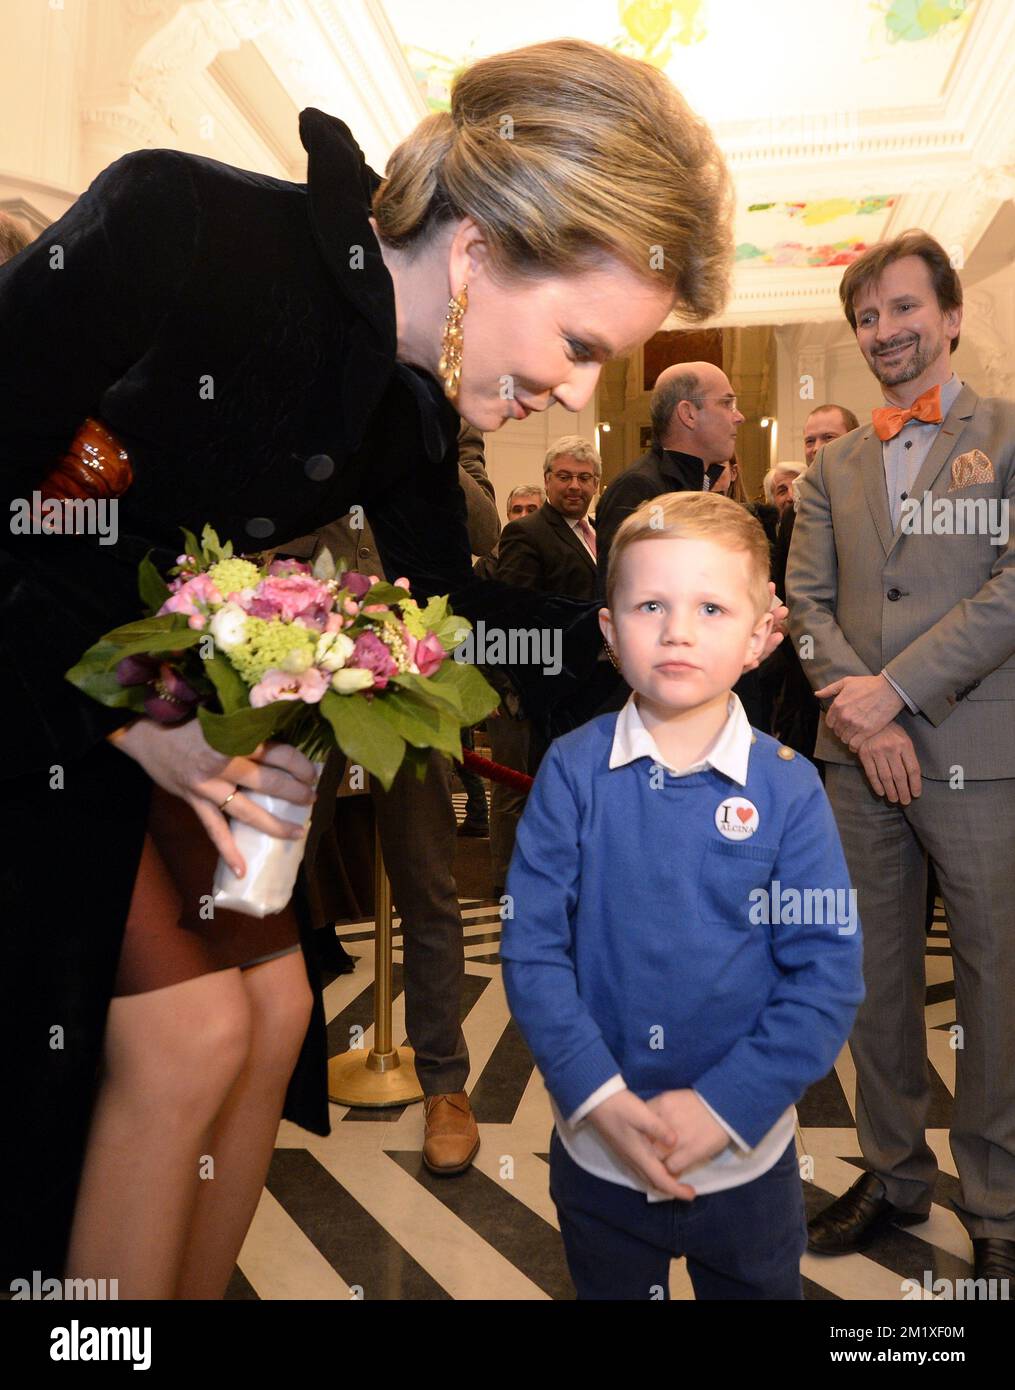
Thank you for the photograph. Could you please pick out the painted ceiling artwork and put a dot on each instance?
(843, 121)
(779, 233)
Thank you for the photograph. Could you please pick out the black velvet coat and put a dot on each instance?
(237, 333)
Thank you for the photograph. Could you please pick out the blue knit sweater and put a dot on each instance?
(632, 944)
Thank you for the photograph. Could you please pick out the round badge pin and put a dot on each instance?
(736, 818)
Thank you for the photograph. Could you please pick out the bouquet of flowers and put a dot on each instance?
(317, 657)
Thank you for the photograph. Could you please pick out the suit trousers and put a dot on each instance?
(418, 834)
(968, 835)
(509, 746)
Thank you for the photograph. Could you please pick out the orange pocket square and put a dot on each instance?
(970, 469)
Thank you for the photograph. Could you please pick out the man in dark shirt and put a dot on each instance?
(694, 433)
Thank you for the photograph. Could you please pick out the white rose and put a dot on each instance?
(229, 627)
(333, 650)
(350, 680)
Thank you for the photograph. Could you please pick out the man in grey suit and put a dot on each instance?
(901, 589)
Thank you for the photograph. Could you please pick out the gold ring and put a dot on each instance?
(229, 798)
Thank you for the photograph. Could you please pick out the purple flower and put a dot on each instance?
(137, 670)
(357, 584)
(171, 698)
(372, 655)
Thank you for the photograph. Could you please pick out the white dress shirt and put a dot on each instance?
(736, 1164)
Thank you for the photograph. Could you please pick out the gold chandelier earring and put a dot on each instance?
(612, 655)
(450, 365)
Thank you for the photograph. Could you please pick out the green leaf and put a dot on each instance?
(444, 696)
(452, 631)
(323, 567)
(424, 726)
(154, 636)
(211, 547)
(384, 593)
(151, 586)
(477, 695)
(229, 685)
(239, 733)
(435, 612)
(104, 687)
(363, 736)
(191, 547)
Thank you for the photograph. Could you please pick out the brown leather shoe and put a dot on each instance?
(451, 1136)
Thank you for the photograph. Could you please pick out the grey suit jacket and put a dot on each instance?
(936, 611)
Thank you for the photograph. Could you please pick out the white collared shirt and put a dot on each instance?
(736, 1164)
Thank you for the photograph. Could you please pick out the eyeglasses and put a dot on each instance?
(727, 402)
(583, 478)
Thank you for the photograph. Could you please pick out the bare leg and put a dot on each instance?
(243, 1136)
(171, 1056)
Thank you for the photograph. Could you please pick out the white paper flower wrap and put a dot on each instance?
(272, 864)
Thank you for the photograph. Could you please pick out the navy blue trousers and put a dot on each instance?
(744, 1243)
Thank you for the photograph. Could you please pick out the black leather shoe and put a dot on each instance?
(856, 1218)
(994, 1258)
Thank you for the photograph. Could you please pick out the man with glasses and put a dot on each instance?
(554, 549)
(694, 435)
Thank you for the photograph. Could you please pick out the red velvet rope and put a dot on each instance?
(496, 772)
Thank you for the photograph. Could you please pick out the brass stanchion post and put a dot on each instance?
(386, 1075)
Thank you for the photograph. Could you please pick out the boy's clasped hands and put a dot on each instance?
(662, 1137)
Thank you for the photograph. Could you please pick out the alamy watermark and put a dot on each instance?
(794, 907)
(513, 646)
(956, 516)
(66, 516)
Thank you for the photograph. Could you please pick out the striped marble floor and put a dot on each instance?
(356, 1215)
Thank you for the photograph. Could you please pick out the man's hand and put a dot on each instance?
(699, 1134)
(862, 706)
(636, 1134)
(890, 762)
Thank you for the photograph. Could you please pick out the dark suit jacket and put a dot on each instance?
(541, 551)
(237, 332)
(658, 471)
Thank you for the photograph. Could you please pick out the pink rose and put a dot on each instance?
(292, 594)
(372, 655)
(199, 590)
(428, 654)
(309, 687)
(335, 623)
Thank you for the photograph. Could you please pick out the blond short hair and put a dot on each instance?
(699, 516)
(563, 153)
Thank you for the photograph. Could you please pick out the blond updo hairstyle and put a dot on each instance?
(562, 153)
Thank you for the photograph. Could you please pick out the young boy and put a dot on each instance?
(682, 952)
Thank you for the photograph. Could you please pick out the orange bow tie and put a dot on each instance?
(889, 419)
